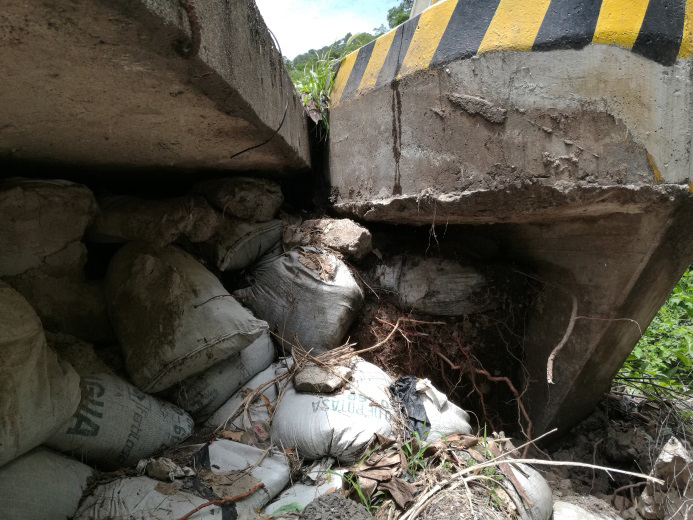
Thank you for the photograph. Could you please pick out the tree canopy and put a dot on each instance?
(399, 14)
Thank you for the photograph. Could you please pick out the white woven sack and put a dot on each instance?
(54, 482)
(173, 318)
(38, 392)
(117, 424)
(339, 425)
(257, 411)
(445, 417)
(203, 394)
(40, 218)
(237, 468)
(307, 296)
(143, 498)
(124, 218)
(238, 243)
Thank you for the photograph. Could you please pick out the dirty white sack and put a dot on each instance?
(342, 235)
(317, 481)
(79, 354)
(55, 482)
(247, 198)
(143, 498)
(124, 219)
(237, 243)
(307, 296)
(339, 425)
(40, 218)
(233, 469)
(38, 392)
(116, 425)
(257, 411)
(203, 394)
(535, 487)
(172, 317)
(445, 417)
(436, 286)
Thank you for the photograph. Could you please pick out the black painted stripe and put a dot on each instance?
(568, 24)
(662, 30)
(360, 64)
(465, 31)
(395, 56)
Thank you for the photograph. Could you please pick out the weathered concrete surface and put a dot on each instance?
(580, 158)
(108, 83)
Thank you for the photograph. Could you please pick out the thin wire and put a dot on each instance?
(286, 106)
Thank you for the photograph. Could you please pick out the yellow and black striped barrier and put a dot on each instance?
(660, 30)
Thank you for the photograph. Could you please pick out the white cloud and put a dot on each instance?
(301, 25)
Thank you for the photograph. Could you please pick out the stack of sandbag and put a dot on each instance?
(308, 296)
(437, 286)
(201, 395)
(161, 222)
(38, 392)
(339, 425)
(224, 469)
(42, 256)
(248, 230)
(172, 317)
(41, 485)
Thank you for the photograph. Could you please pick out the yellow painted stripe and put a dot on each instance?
(380, 50)
(432, 24)
(514, 26)
(686, 50)
(342, 77)
(620, 21)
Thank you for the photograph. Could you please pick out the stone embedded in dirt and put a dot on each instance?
(159, 222)
(342, 235)
(256, 200)
(40, 218)
(673, 500)
(674, 464)
(334, 507)
(318, 380)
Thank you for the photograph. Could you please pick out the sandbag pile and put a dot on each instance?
(193, 350)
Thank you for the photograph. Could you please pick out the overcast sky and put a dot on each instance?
(301, 25)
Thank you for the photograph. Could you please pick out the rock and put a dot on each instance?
(334, 507)
(674, 464)
(256, 200)
(317, 380)
(342, 235)
(674, 499)
(163, 469)
(158, 222)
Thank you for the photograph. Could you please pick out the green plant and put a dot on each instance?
(664, 354)
(370, 503)
(414, 451)
(315, 80)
